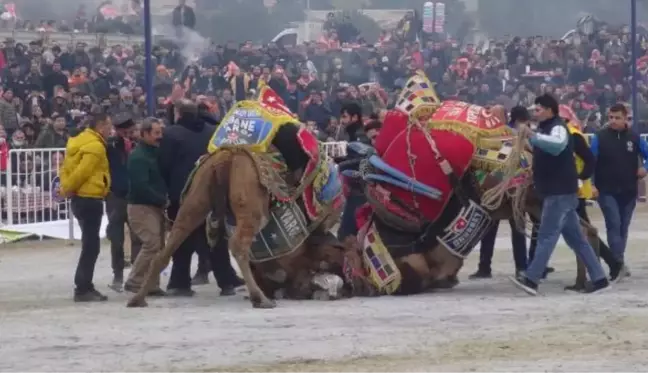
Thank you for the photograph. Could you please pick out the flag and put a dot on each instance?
(567, 113)
(231, 70)
(11, 9)
(271, 101)
(109, 11)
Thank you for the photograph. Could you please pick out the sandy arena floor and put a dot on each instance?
(479, 326)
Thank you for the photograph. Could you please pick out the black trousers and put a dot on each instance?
(487, 247)
(197, 242)
(89, 212)
(181, 270)
(116, 209)
(221, 263)
(204, 262)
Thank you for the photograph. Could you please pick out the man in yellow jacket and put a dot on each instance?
(585, 163)
(85, 178)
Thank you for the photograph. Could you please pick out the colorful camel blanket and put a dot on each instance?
(471, 121)
(407, 149)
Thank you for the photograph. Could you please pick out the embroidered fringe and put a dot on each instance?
(492, 199)
(471, 132)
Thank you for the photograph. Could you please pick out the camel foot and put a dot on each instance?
(323, 295)
(263, 303)
(280, 294)
(579, 288)
(136, 303)
(445, 283)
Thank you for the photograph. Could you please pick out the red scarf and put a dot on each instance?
(128, 145)
(304, 82)
(4, 153)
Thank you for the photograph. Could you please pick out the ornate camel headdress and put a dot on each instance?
(418, 99)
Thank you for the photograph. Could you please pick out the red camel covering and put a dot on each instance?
(392, 145)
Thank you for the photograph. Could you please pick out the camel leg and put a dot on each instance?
(591, 233)
(192, 213)
(415, 274)
(248, 201)
(444, 267)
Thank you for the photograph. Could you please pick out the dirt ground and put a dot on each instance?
(480, 326)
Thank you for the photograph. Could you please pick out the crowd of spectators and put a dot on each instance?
(48, 90)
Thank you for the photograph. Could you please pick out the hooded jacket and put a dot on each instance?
(85, 171)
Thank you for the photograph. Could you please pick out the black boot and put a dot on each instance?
(200, 278)
(173, 292)
(89, 296)
(117, 282)
(547, 272)
(480, 274)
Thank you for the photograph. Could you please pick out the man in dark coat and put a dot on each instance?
(182, 145)
(53, 79)
(118, 148)
(351, 119)
(183, 15)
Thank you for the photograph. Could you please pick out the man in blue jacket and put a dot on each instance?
(618, 153)
(556, 181)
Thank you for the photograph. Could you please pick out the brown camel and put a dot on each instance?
(228, 182)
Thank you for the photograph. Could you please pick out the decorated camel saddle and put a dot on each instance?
(422, 180)
(303, 182)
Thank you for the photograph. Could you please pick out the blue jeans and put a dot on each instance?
(559, 217)
(617, 211)
(348, 226)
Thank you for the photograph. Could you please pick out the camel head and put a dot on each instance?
(355, 274)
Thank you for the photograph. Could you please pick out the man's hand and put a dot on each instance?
(595, 192)
(63, 193)
(641, 172)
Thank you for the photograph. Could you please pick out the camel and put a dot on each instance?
(431, 266)
(228, 182)
(412, 146)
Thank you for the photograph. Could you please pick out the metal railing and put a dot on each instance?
(29, 192)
